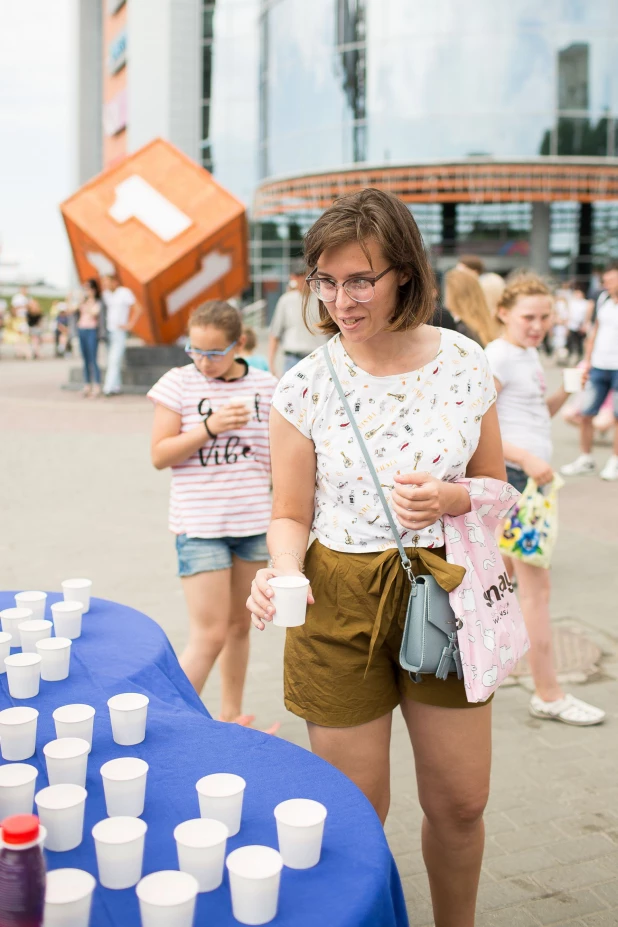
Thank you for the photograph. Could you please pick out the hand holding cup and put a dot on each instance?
(260, 602)
(230, 417)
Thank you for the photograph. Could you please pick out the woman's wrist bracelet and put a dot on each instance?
(208, 431)
(287, 553)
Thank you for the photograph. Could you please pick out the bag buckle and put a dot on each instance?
(411, 577)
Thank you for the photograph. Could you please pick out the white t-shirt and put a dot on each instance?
(427, 420)
(288, 326)
(118, 303)
(522, 408)
(605, 350)
(577, 310)
(223, 489)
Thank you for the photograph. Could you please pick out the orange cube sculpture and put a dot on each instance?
(170, 232)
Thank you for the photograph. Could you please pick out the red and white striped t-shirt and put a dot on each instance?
(223, 490)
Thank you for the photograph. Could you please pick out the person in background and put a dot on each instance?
(122, 313)
(472, 263)
(211, 428)
(578, 312)
(87, 332)
(465, 301)
(258, 361)
(601, 370)
(34, 320)
(61, 320)
(525, 412)
(287, 328)
(492, 286)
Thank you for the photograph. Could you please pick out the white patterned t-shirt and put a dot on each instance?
(427, 420)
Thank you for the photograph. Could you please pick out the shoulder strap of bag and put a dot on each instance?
(405, 560)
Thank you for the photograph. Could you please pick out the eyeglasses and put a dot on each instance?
(360, 289)
(211, 355)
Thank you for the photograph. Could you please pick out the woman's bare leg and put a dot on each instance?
(534, 587)
(208, 598)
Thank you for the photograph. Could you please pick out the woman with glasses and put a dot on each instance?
(423, 399)
(211, 428)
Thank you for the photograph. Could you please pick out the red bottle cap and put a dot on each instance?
(20, 828)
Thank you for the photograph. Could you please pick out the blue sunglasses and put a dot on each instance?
(211, 355)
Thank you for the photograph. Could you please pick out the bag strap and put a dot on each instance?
(405, 560)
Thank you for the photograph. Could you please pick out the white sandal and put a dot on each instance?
(569, 710)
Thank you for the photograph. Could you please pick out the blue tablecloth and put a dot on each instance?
(356, 883)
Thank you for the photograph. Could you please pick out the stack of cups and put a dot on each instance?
(17, 784)
(167, 899)
(255, 874)
(33, 631)
(5, 648)
(119, 844)
(201, 851)
(124, 785)
(55, 654)
(67, 619)
(18, 733)
(300, 827)
(11, 619)
(221, 796)
(78, 590)
(128, 713)
(289, 600)
(75, 721)
(61, 811)
(68, 898)
(35, 601)
(23, 674)
(67, 760)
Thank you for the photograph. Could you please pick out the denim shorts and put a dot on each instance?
(600, 382)
(202, 555)
(517, 478)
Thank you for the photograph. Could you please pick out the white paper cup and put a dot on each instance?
(67, 760)
(67, 619)
(35, 601)
(23, 674)
(75, 721)
(255, 874)
(220, 796)
(300, 827)
(167, 899)
(201, 845)
(11, 619)
(17, 784)
(68, 898)
(124, 784)
(31, 631)
(5, 648)
(128, 714)
(289, 600)
(18, 733)
(78, 590)
(572, 378)
(119, 844)
(247, 401)
(55, 654)
(61, 811)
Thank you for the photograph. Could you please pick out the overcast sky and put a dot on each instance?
(35, 155)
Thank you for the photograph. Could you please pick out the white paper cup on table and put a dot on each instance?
(17, 784)
(6, 640)
(35, 601)
(78, 590)
(11, 619)
(220, 796)
(67, 760)
(23, 674)
(255, 874)
(289, 600)
(61, 811)
(119, 845)
(128, 713)
(75, 721)
(167, 899)
(201, 845)
(68, 898)
(55, 654)
(67, 619)
(300, 827)
(18, 733)
(572, 378)
(32, 631)
(124, 785)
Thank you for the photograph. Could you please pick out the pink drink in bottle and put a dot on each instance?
(22, 873)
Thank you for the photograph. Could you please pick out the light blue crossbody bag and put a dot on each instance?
(429, 643)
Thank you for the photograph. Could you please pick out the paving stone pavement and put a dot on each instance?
(78, 495)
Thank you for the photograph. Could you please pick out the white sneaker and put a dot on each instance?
(569, 710)
(584, 464)
(610, 470)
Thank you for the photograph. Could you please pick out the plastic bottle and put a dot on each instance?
(22, 873)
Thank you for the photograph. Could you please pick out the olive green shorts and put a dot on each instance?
(342, 666)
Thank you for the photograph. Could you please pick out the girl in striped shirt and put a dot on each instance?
(211, 428)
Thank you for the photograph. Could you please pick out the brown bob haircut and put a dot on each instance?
(220, 315)
(375, 214)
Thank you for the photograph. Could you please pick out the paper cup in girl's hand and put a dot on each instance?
(300, 827)
(67, 619)
(11, 619)
(32, 631)
(572, 377)
(18, 733)
(78, 590)
(24, 674)
(128, 713)
(35, 601)
(119, 844)
(255, 874)
(289, 600)
(17, 783)
(247, 401)
(68, 898)
(61, 811)
(167, 899)
(55, 654)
